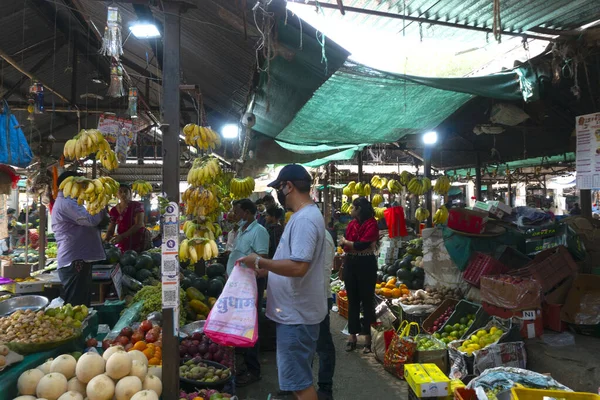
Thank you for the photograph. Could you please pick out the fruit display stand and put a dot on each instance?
(9, 376)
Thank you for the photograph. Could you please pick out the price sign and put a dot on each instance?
(117, 278)
(529, 315)
(170, 264)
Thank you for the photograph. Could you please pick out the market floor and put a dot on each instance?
(355, 374)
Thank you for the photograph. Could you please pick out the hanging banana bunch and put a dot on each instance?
(201, 201)
(379, 183)
(421, 214)
(196, 249)
(442, 185)
(241, 188)
(203, 137)
(93, 193)
(419, 186)
(379, 212)
(405, 177)
(441, 216)
(204, 170)
(88, 142)
(377, 200)
(346, 208)
(394, 186)
(141, 188)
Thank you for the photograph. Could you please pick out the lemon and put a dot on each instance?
(461, 349)
(466, 343)
(481, 333)
(474, 338)
(493, 329)
(474, 347)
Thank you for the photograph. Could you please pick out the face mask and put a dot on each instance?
(281, 198)
(241, 223)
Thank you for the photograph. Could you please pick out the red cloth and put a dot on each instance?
(394, 218)
(365, 232)
(124, 222)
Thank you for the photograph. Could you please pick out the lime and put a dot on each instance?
(454, 334)
(445, 334)
(437, 335)
(448, 328)
(463, 320)
(456, 326)
(470, 322)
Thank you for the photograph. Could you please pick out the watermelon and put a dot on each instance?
(186, 283)
(404, 275)
(127, 259)
(215, 287)
(405, 263)
(131, 252)
(201, 284)
(143, 274)
(129, 270)
(417, 284)
(418, 272)
(393, 269)
(144, 262)
(214, 270)
(222, 279)
(385, 278)
(112, 255)
(156, 258)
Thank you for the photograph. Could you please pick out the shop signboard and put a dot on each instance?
(170, 264)
(587, 162)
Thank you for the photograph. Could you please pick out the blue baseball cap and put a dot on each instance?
(291, 173)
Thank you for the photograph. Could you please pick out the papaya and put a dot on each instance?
(199, 307)
(194, 294)
(212, 301)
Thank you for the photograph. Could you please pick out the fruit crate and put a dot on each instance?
(549, 268)
(482, 264)
(427, 324)
(342, 303)
(538, 394)
(462, 309)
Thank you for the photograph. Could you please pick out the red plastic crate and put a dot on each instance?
(482, 264)
(551, 317)
(529, 328)
(342, 303)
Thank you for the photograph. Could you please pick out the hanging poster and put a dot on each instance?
(587, 162)
(112, 127)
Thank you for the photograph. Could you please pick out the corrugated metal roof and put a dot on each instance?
(516, 15)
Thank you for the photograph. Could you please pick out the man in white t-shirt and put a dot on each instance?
(296, 299)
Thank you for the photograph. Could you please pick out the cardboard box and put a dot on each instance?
(427, 380)
(469, 221)
(558, 295)
(530, 321)
(494, 208)
(583, 301)
(437, 357)
(15, 270)
(511, 292)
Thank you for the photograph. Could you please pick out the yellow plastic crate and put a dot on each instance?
(537, 394)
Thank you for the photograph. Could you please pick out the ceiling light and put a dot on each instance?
(230, 131)
(430, 137)
(144, 30)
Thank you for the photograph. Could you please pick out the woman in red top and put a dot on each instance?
(128, 218)
(360, 271)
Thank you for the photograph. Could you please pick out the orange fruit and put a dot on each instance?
(141, 346)
(154, 361)
(149, 353)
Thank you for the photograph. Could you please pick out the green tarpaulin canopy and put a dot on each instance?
(512, 165)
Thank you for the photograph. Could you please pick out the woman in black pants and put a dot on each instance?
(360, 271)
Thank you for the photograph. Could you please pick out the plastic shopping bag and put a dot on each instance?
(401, 350)
(233, 320)
(14, 149)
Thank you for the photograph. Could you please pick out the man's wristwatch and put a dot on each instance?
(256, 261)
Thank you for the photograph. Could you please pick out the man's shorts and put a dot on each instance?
(296, 346)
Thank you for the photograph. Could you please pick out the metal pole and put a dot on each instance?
(326, 196)
(42, 239)
(585, 198)
(427, 172)
(478, 179)
(360, 166)
(510, 200)
(171, 105)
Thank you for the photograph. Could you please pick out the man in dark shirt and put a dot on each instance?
(274, 227)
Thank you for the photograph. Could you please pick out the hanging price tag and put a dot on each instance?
(529, 315)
